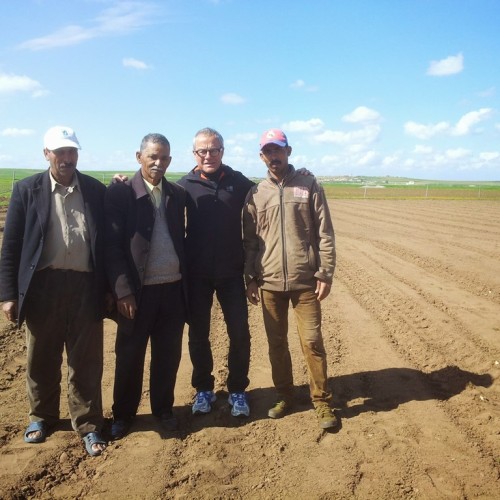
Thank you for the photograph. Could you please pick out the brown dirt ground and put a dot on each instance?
(412, 334)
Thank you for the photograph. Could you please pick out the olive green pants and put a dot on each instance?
(307, 311)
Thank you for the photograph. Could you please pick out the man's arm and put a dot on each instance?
(12, 245)
(250, 246)
(325, 237)
(117, 241)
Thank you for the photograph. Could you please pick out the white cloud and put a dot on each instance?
(366, 135)
(18, 83)
(231, 98)
(130, 62)
(16, 132)
(361, 114)
(465, 124)
(312, 125)
(421, 131)
(301, 85)
(121, 18)
(448, 66)
(422, 150)
(455, 154)
(329, 159)
(489, 155)
(390, 160)
(369, 158)
(463, 127)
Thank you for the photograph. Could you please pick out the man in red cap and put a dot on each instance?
(295, 265)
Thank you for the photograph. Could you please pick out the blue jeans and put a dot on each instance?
(232, 299)
(307, 311)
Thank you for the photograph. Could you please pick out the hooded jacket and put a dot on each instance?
(289, 238)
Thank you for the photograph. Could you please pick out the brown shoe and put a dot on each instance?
(280, 409)
(326, 417)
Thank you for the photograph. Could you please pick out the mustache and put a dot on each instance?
(275, 163)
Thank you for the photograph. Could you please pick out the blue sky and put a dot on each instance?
(361, 87)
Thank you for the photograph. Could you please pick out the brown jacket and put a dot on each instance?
(288, 234)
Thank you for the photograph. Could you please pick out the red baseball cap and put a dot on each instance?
(273, 136)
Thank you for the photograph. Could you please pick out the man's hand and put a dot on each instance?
(304, 171)
(10, 310)
(253, 293)
(127, 306)
(119, 178)
(322, 290)
(109, 302)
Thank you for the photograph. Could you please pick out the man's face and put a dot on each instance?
(154, 160)
(208, 153)
(63, 163)
(276, 159)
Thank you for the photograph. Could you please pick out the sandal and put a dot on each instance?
(91, 439)
(39, 426)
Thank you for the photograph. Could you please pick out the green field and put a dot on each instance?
(355, 188)
(432, 190)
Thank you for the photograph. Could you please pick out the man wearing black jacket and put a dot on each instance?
(146, 269)
(52, 277)
(214, 251)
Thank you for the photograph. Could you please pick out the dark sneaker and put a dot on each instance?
(326, 417)
(280, 409)
(239, 403)
(120, 427)
(203, 402)
(168, 421)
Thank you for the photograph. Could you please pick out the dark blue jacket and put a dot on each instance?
(214, 246)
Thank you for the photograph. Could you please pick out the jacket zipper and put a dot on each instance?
(283, 237)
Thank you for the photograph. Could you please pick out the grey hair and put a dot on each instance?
(155, 139)
(210, 132)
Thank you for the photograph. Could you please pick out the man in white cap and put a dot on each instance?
(290, 255)
(52, 276)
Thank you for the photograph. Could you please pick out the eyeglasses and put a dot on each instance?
(212, 151)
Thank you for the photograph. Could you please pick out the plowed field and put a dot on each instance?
(412, 331)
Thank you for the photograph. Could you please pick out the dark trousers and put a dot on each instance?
(160, 317)
(232, 299)
(62, 311)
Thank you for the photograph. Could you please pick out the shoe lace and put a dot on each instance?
(239, 399)
(324, 411)
(202, 397)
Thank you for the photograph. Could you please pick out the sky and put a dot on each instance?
(361, 87)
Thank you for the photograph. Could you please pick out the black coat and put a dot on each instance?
(26, 228)
(130, 217)
(214, 246)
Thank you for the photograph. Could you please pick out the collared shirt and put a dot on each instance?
(154, 192)
(67, 242)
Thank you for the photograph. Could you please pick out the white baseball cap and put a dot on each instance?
(60, 137)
